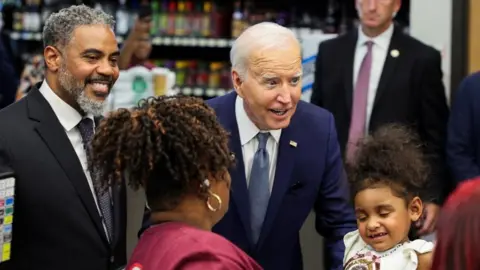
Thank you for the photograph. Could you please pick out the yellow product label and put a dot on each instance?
(8, 220)
(6, 252)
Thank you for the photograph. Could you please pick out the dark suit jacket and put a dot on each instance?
(410, 92)
(463, 147)
(56, 222)
(308, 176)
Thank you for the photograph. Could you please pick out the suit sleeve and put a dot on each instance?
(8, 78)
(316, 97)
(5, 161)
(433, 129)
(461, 137)
(334, 212)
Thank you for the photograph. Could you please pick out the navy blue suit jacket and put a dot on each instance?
(308, 176)
(463, 141)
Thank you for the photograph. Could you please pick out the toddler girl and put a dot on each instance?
(387, 175)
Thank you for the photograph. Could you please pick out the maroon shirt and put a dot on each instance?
(175, 245)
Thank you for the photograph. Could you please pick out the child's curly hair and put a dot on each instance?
(392, 156)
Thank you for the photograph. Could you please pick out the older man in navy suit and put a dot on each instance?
(289, 160)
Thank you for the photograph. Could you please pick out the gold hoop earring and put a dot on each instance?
(209, 205)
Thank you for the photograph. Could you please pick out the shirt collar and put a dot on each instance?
(246, 128)
(382, 40)
(66, 114)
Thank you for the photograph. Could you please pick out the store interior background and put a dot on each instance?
(197, 53)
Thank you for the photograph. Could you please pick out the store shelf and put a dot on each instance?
(189, 42)
(201, 92)
(26, 36)
(157, 41)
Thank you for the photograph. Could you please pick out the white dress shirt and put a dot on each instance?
(69, 118)
(248, 132)
(379, 55)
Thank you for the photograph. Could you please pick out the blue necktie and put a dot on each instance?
(259, 189)
(104, 202)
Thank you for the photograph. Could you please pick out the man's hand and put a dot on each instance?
(428, 222)
(142, 26)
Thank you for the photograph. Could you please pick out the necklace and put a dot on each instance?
(385, 253)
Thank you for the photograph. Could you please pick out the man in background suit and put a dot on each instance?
(61, 221)
(378, 75)
(289, 161)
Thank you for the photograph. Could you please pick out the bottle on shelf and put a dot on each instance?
(180, 19)
(172, 8)
(206, 20)
(122, 18)
(237, 19)
(163, 19)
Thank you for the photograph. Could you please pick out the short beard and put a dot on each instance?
(77, 91)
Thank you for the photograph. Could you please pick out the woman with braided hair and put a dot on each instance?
(176, 150)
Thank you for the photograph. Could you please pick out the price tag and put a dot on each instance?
(167, 41)
(210, 92)
(157, 41)
(15, 35)
(198, 91)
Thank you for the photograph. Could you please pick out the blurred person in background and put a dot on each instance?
(458, 230)
(378, 75)
(137, 46)
(463, 144)
(61, 220)
(32, 74)
(176, 150)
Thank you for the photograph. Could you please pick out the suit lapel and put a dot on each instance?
(239, 192)
(389, 66)
(348, 62)
(282, 180)
(53, 134)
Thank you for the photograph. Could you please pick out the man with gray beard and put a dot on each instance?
(61, 220)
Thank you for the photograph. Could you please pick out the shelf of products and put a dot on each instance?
(195, 76)
(191, 29)
(157, 41)
(202, 92)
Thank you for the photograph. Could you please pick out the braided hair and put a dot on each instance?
(167, 145)
(392, 157)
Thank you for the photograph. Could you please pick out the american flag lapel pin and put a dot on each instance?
(293, 143)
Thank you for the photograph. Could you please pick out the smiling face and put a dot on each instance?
(384, 219)
(86, 69)
(272, 87)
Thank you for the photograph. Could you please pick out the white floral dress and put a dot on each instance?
(360, 256)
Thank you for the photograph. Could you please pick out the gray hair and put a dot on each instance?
(261, 36)
(59, 26)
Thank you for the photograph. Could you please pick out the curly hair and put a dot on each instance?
(391, 157)
(168, 145)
